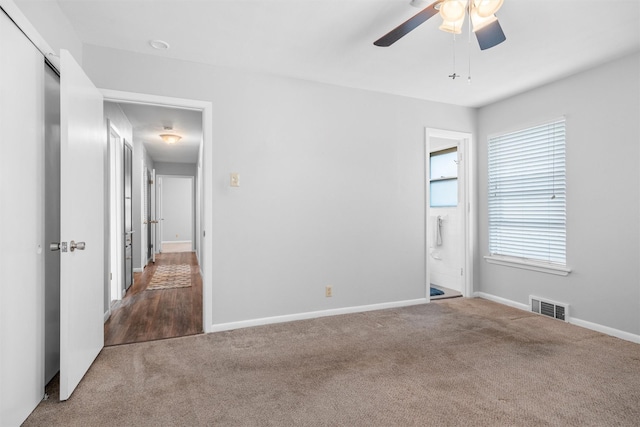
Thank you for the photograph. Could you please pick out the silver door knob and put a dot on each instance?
(73, 245)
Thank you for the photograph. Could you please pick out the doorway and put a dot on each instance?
(165, 299)
(204, 167)
(448, 205)
(176, 213)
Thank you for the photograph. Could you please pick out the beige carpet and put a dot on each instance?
(466, 362)
(170, 276)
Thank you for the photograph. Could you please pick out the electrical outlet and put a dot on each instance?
(328, 291)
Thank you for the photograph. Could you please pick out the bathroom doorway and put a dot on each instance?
(448, 211)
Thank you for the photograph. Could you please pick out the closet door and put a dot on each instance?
(21, 225)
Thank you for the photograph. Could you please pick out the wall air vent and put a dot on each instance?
(549, 308)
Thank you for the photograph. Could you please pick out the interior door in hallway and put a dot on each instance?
(147, 215)
(82, 259)
(128, 213)
(150, 221)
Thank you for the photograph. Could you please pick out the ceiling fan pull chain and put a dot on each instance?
(454, 75)
(469, 45)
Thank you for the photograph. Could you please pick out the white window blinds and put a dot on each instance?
(527, 193)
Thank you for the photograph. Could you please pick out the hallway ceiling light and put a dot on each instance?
(170, 138)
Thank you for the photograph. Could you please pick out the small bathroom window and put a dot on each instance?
(443, 178)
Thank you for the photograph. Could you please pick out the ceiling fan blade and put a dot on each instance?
(405, 28)
(490, 35)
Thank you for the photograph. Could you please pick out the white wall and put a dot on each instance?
(332, 184)
(602, 109)
(119, 120)
(182, 169)
(199, 195)
(47, 17)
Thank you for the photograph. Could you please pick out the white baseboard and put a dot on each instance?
(501, 300)
(627, 336)
(176, 241)
(138, 270)
(106, 315)
(219, 327)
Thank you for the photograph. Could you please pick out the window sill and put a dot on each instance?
(541, 267)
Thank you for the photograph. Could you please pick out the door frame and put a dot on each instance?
(116, 228)
(206, 217)
(467, 180)
(158, 188)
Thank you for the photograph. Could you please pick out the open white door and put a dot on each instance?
(82, 157)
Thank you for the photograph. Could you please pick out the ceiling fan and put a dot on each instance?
(481, 14)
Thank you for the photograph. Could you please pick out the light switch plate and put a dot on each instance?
(235, 179)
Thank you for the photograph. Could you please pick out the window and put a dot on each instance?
(527, 194)
(443, 178)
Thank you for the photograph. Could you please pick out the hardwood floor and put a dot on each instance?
(145, 315)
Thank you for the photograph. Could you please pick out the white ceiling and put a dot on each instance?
(148, 123)
(331, 41)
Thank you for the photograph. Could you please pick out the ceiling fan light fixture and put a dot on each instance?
(453, 10)
(479, 22)
(487, 8)
(452, 27)
(170, 138)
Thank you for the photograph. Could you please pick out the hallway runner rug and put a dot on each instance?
(170, 277)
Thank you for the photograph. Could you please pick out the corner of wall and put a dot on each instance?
(51, 23)
(627, 336)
